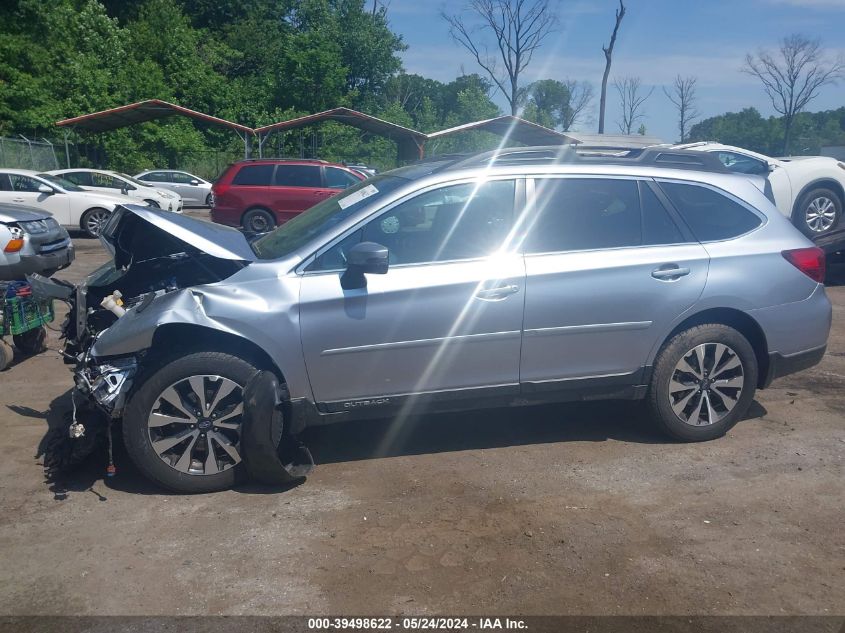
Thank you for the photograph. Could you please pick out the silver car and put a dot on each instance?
(195, 191)
(31, 241)
(505, 279)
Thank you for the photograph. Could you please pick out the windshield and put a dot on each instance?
(320, 218)
(134, 181)
(67, 185)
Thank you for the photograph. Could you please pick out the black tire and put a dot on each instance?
(137, 435)
(209, 200)
(807, 217)
(667, 363)
(7, 354)
(153, 204)
(32, 342)
(258, 221)
(93, 220)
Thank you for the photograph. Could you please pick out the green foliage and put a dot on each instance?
(810, 131)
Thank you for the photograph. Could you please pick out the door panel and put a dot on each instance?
(419, 328)
(599, 313)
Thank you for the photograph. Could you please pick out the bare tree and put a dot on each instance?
(574, 110)
(684, 99)
(631, 100)
(608, 58)
(793, 76)
(518, 28)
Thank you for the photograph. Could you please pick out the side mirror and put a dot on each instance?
(363, 258)
(46, 189)
(195, 182)
(771, 167)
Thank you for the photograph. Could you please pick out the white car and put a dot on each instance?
(71, 206)
(810, 190)
(194, 190)
(115, 182)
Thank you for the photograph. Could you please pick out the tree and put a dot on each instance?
(608, 58)
(518, 28)
(793, 76)
(573, 111)
(631, 101)
(684, 99)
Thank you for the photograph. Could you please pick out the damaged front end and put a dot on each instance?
(156, 255)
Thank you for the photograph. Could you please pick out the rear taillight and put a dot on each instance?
(809, 261)
(219, 189)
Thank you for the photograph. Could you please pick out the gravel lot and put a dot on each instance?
(575, 509)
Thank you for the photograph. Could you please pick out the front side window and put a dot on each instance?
(576, 214)
(182, 179)
(254, 176)
(710, 215)
(465, 221)
(156, 176)
(107, 182)
(742, 164)
(24, 183)
(339, 179)
(298, 176)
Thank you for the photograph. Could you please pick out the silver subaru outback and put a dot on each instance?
(509, 278)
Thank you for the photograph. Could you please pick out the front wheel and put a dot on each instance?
(153, 204)
(703, 382)
(209, 200)
(93, 221)
(819, 212)
(182, 427)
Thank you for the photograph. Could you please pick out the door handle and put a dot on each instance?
(18, 200)
(494, 294)
(670, 272)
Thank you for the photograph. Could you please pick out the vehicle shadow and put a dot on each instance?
(362, 440)
(835, 270)
(623, 421)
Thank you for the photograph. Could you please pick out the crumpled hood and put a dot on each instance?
(166, 233)
(21, 213)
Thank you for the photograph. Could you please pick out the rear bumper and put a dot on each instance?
(780, 365)
(228, 217)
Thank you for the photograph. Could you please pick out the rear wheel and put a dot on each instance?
(93, 221)
(258, 221)
(7, 354)
(703, 382)
(182, 427)
(819, 212)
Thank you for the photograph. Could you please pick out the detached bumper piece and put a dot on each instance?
(270, 455)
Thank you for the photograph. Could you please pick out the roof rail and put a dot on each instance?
(569, 154)
(293, 160)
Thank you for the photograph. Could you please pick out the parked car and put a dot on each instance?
(72, 206)
(115, 182)
(364, 169)
(260, 194)
(195, 191)
(810, 190)
(495, 280)
(32, 241)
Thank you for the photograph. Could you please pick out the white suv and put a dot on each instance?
(72, 206)
(115, 182)
(810, 190)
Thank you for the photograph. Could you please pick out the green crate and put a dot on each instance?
(21, 314)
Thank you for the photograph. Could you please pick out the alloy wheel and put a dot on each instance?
(194, 426)
(820, 214)
(95, 221)
(706, 384)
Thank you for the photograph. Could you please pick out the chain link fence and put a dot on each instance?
(24, 153)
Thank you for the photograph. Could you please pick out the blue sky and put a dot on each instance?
(657, 40)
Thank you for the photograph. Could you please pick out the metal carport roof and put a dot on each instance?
(512, 128)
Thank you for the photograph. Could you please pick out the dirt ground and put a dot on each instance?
(575, 509)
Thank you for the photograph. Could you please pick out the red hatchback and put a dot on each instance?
(259, 194)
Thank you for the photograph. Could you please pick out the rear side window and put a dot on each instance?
(709, 214)
(82, 178)
(254, 175)
(298, 176)
(585, 214)
(658, 225)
